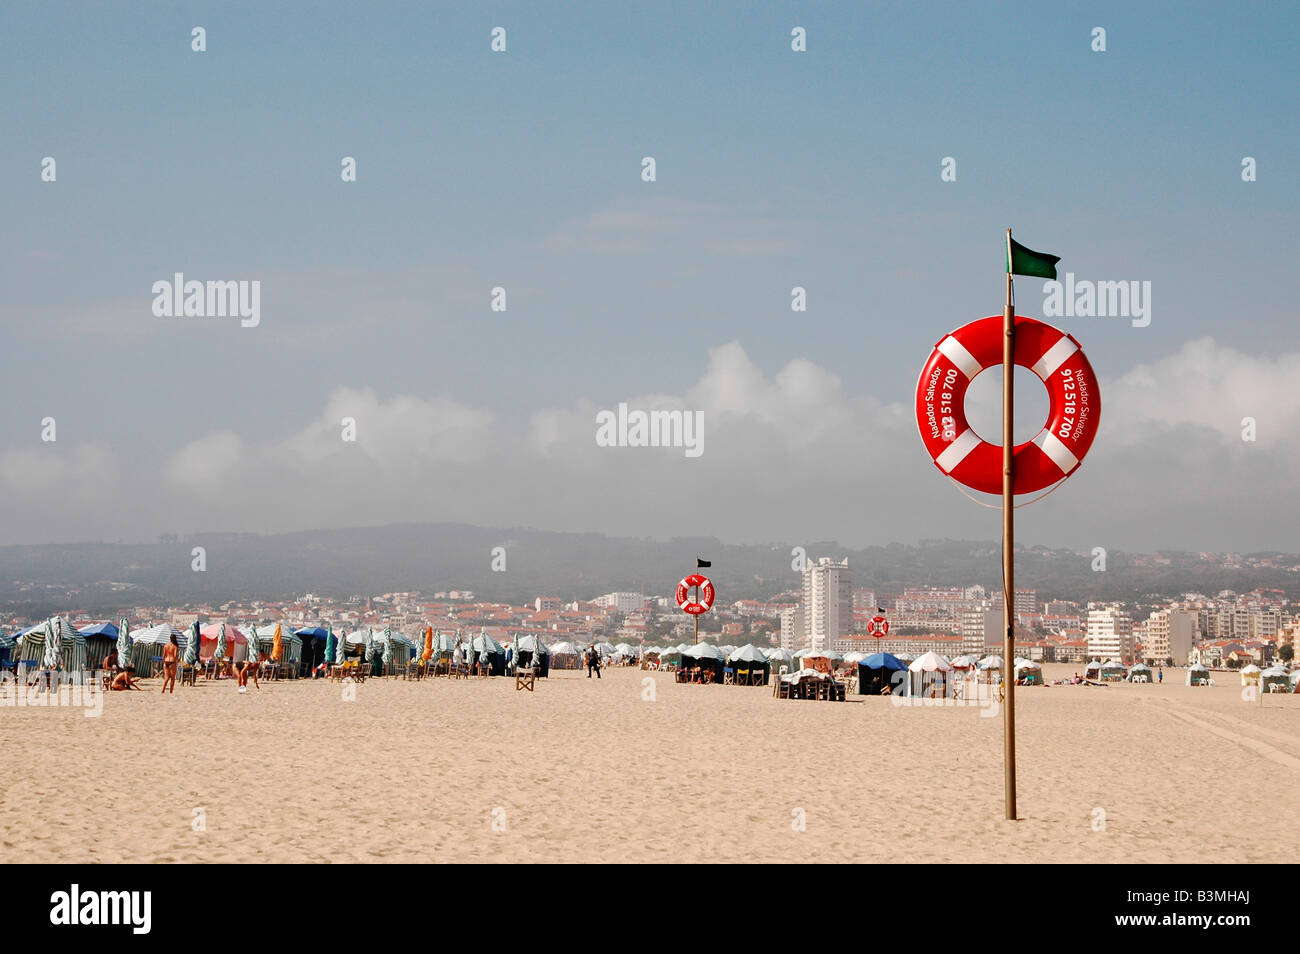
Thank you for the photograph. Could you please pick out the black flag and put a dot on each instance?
(701, 564)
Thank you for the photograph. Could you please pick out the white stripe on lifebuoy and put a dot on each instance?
(1054, 357)
(966, 442)
(1060, 455)
(956, 352)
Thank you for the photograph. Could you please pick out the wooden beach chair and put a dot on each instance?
(526, 678)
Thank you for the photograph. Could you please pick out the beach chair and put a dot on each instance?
(525, 678)
(729, 676)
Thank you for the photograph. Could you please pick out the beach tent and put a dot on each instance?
(1250, 675)
(780, 657)
(928, 672)
(355, 644)
(908, 658)
(750, 658)
(605, 649)
(1141, 672)
(54, 644)
(565, 655)
(990, 662)
(1092, 670)
(314, 642)
(1027, 672)
(147, 647)
(1197, 675)
(291, 645)
(101, 639)
(965, 662)
(705, 656)
(531, 651)
(210, 639)
(876, 672)
(496, 653)
(1113, 671)
(1275, 676)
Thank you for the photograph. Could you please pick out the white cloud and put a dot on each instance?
(789, 455)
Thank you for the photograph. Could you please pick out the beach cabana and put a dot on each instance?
(781, 657)
(750, 661)
(291, 645)
(989, 663)
(707, 658)
(1027, 673)
(531, 651)
(147, 647)
(1113, 671)
(1197, 675)
(1092, 671)
(1250, 675)
(876, 673)
(965, 662)
(1275, 676)
(313, 639)
(1141, 672)
(496, 653)
(53, 644)
(101, 639)
(355, 646)
(210, 635)
(928, 672)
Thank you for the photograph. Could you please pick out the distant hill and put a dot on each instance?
(437, 557)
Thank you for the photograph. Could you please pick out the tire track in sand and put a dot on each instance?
(1262, 749)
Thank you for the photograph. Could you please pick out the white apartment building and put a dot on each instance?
(621, 602)
(971, 627)
(1110, 634)
(827, 602)
(1171, 635)
(792, 628)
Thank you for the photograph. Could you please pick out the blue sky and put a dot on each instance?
(522, 169)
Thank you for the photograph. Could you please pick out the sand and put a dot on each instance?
(586, 770)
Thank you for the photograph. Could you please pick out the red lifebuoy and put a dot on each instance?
(878, 626)
(1053, 453)
(705, 598)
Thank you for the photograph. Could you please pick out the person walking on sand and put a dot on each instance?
(171, 655)
(593, 662)
(1160, 674)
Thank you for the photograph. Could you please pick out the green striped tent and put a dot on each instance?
(56, 645)
(291, 644)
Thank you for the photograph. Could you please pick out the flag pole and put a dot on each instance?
(1008, 546)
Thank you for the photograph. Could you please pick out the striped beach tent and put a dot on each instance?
(54, 644)
(147, 647)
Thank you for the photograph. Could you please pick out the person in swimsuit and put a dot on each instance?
(171, 656)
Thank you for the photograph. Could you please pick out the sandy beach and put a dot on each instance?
(586, 770)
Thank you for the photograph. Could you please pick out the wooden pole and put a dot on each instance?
(1008, 546)
(697, 615)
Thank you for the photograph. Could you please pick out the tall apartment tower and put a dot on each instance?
(827, 602)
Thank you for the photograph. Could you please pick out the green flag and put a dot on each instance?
(1025, 261)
